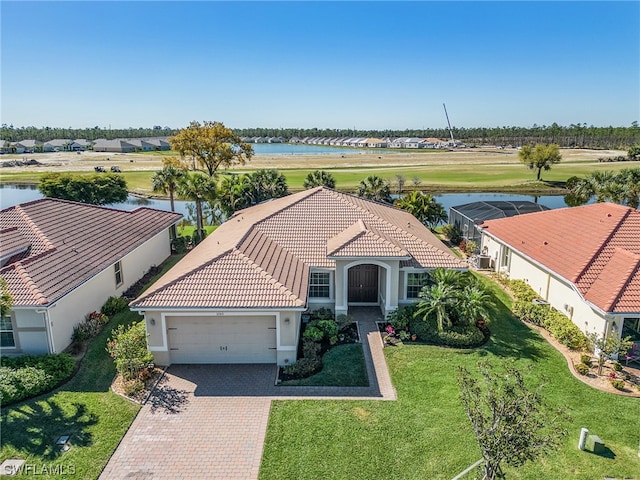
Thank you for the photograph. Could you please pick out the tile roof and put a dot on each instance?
(283, 238)
(69, 243)
(596, 247)
(359, 241)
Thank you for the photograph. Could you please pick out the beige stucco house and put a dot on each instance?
(238, 296)
(584, 261)
(62, 260)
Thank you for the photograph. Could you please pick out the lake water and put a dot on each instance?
(14, 194)
(298, 149)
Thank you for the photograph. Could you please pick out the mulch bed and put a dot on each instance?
(118, 386)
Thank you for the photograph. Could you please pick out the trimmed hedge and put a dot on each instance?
(31, 375)
(555, 322)
(458, 336)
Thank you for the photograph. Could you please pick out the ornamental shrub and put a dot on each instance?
(401, 317)
(323, 313)
(93, 324)
(522, 291)
(582, 369)
(564, 330)
(329, 328)
(586, 359)
(617, 383)
(313, 333)
(344, 322)
(617, 367)
(128, 347)
(303, 368)
(31, 375)
(114, 305)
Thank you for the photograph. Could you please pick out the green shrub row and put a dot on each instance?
(31, 375)
(114, 305)
(555, 322)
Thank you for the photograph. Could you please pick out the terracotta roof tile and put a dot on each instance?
(286, 236)
(70, 242)
(594, 246)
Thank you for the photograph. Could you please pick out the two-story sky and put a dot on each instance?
(368, 65)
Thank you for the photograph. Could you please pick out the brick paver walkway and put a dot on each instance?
(210, 421)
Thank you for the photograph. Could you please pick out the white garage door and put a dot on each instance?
(226, 339)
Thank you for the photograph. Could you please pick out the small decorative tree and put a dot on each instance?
(510, 421)
(128, 347)
(606, 346)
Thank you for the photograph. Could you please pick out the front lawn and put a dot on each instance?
(84, 408)
(342, 366)
(426, 434)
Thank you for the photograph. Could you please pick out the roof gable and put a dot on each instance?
(358, 241)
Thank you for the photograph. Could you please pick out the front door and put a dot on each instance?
(363, 284)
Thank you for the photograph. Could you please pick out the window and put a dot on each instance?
(6, 333)
(320, 285)
(415, 282)
(506, 253)
(118, 271)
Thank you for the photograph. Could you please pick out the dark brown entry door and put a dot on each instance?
(363, 284)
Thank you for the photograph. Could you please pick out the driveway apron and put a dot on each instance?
(210, 421)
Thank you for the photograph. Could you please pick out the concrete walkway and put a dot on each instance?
(210, 421)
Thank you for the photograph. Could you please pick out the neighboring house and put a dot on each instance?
(467, 217)
(584, 261)
(83, 143)
(62, 260)
(239, 295)
(116, 146)
(141, 144)
(159, 143)
(28, 146)
(61, 145)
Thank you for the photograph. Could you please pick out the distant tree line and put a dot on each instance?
(575, 135)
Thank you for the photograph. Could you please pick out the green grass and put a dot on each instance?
(84, 408)
(426, 434)
(343, 366)
(459, 177)
(187, 230)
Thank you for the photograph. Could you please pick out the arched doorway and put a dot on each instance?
(363, 284)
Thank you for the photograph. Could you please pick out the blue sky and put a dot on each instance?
(368, 65)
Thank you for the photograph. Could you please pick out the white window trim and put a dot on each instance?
(13, 332)
(406, 283)
(117, 270)
(331, 286)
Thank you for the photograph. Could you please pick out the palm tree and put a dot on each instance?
(319, 178)
(474, 303)
(198, 188)
(436, 300)
(424, 207)
(375, 188)
(448, 278)
(630, 179)
(267, 184)
(234, 194)
(166, 181)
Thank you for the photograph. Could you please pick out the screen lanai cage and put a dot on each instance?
(466, 217)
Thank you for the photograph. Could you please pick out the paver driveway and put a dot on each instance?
(210, 421)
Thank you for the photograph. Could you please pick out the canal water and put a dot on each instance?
(14, 194)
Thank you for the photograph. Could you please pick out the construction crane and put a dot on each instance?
(449, 123)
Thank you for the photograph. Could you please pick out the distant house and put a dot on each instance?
(239, 296)
(467, 217)
(84, 144)
(584, 261)
(375, 143)
(398, 142)
(116, 146)
(61, 145)
(28, 146)
(159, 143)
(62, 260)
(141, 144)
